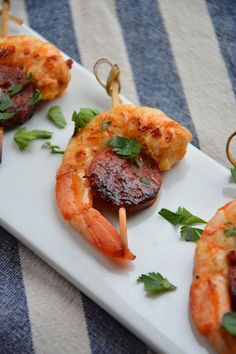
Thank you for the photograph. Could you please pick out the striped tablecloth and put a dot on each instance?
(179, 56)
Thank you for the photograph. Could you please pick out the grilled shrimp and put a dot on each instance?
(50, 72)
(213, 292)
(162, 138)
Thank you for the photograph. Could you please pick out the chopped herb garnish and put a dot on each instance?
(230, 231)
(155, 283)
(127, 148)
(181, 216)
(14, 89)
(35, 99)
(6, 115)
(145, 180)
(55, 149)
(30, 76)
(228, 322)
(233, 174)
(189, 233)
(173, 218)
(138, 161)
(104, 126)
(83, 117)
(5, 102)
(56, 116)
(22, 137)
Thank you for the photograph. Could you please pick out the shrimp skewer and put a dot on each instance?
(210, 294)
(162, 138)
(50, 72)
(41, 60)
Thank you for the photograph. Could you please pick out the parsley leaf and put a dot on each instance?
(36, 98)
(83, 117)
(229, 232)
(55, 149)
(127, 148)
(173, 218)
(104, 126)
(56, 116)
(22, 137)
(30, 76)
(188, 218)
(233, 174)
(155, 283)
(5, 102)
(189, 233)
(228, 322)
(14, 89)
(145, 180)
(181, 216)
(6, 115)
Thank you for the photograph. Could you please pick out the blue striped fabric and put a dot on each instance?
(156, 76)
(15, 330)
(52, 19)
(106, 334)
(223, 15)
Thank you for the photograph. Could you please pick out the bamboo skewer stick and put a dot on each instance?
(228, 153)
(123, 224)
(5, 8)
(112, 87)
(13, 18)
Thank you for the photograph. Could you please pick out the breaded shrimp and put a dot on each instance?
(162, 138)
(50, 72)
(212, 294)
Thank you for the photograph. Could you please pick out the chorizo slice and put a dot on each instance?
(21, 110)
(122, 183)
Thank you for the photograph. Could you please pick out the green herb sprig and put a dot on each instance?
(189, 233)
(5, 102)
(57, 117)
(155, 283)
(230, 231)
(55, 149)
(14, 89)
(145, 180)
(6, 115)
(104, 126)
(35, 99)
(233, 174)
(183, 217)
(83, 117)
(127, 148)
(23, 137)
(228, 322)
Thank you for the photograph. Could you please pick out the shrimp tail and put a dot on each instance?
(98, 231)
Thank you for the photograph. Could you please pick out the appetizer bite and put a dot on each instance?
(42, 60)
(116, 155)
(30, 70)
(213, 291)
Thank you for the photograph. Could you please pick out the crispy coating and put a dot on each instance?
(50, 71)
(163, 139)
(209, 294)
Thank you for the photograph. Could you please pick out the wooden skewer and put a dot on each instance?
(112, 87)
(13, 18)
(123, 224)
(228, 153)
(5, 8)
